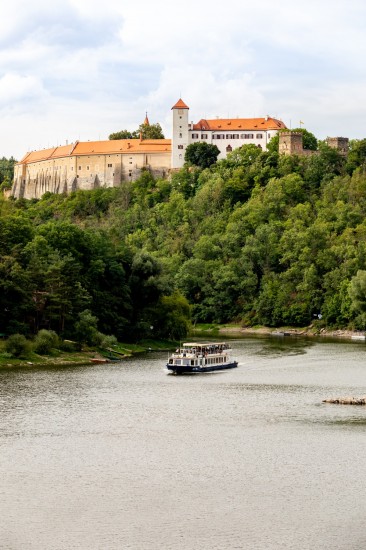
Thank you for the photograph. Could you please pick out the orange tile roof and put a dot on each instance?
(239, 124)
(180, 105)
(114, 146)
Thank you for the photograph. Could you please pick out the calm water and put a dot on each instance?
(127, 456)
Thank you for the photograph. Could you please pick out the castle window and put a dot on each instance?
(72, 168)
(79, 167)
(109, 166)
(180, 146)
(235, 136)
(194, 136)
(88, 167)
(204, 136)
(229, 149)
(259, 136)
(229, 136)
(180, 157)
(130, 162)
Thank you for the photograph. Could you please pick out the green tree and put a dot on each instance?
(6, 172)
(357, 292)
(201, 154)
(45, 341)
(86, 328)
(123, 134)
(356, 155)
(150, 131)
(146, 131)
(172, 317)
(18, 346)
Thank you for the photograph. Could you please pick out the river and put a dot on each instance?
(127, 456)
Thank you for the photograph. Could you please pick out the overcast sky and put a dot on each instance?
(82, 69)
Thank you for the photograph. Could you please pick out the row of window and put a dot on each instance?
(228, 136)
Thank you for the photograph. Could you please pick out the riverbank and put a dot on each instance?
(59, 358)
(311, 331)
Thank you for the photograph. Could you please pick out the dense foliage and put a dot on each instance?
(6, 172)
(145, 131)
(201, 154)
(255, 238)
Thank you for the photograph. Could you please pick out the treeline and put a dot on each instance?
(256, 239)
(55, 270)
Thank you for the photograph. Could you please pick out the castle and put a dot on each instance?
(93, 164)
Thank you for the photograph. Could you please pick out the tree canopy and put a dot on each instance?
(146, 131)
(201, 154)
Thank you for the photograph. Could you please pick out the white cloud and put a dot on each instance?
(81, 69)
(14, 87)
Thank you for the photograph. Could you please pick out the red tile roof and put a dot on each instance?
(180, 105)
(113, 146)
(239, 124)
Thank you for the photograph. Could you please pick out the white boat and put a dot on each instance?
(197, 357)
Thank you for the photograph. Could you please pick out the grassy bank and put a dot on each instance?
(84, 356)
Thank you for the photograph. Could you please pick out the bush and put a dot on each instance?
(17, 345)
(86, 331)
(45, 341)
(108, 341)
(69, 346)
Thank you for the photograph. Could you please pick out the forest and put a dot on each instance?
(255, 239)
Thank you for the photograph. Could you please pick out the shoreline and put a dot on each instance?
(309, 332)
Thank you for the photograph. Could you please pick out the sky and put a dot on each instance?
(82, 69)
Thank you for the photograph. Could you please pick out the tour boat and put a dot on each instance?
(196, 357)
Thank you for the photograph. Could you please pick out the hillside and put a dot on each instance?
(256, 239)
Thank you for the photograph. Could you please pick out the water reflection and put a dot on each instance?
(284, 345)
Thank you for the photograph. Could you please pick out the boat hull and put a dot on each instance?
(182, 369)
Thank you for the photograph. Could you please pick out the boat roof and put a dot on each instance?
(201, 345)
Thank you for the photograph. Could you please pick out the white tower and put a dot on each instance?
(180, 138)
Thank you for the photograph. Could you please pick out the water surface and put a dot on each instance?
(129, 456)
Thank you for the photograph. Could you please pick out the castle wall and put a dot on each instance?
(291, 143)
(84, 172)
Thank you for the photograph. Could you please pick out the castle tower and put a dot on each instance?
(339, 143)
(180, 136)
(290, 143)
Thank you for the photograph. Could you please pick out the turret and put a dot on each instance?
(339, 143)
(290, 143)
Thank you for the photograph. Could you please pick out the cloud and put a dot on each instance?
(16, 88)
(83, 69)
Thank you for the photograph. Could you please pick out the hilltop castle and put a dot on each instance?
(93, 164)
